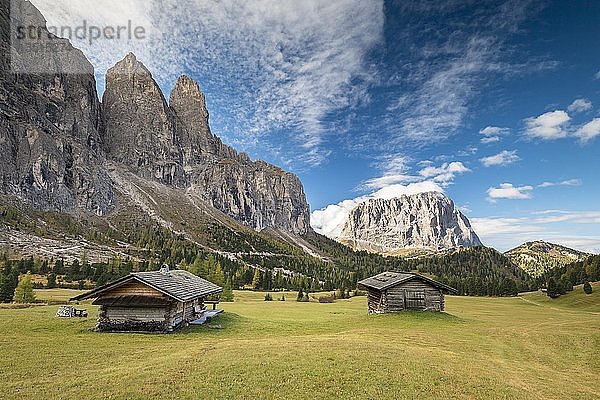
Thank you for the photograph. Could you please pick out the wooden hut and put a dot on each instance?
(156, 301)
(398, 291)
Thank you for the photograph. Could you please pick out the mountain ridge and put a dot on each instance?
(537, 257)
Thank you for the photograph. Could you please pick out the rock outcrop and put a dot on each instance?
(138, 126)
(256, 193)
(425, 220)
(49, 120)
(58, 140)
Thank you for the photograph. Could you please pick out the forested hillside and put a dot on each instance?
(562, 279)
(537, 257)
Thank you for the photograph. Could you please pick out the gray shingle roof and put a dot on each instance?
(177, 284)
(387, 280)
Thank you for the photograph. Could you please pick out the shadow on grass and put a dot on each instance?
(420, 317)
(225, 322)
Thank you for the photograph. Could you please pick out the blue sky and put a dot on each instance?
(497, 104)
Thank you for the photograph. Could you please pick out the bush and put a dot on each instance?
(282, 298)
(300, 296)
(268, 297)
(327, 299)
(587, 288)
(554, 289)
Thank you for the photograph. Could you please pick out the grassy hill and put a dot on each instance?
(482, 348)
(537, 257)
(576, 300)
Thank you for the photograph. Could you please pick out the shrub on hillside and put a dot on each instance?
(327, 299)
(268, 297)
(587, 288)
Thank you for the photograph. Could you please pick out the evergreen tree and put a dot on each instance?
(215, 274)
(227, 294)
(256, 280)
(9, 280)
(553, 290)
(51, 280)
(59, 267)
(587, 288)
(24, 291)
(300, 295)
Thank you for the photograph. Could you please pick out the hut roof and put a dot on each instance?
(177, 284)
(387, 280)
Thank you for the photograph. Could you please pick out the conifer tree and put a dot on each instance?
(51, 280)
(300, 295)
(256, 280)
(587, 288)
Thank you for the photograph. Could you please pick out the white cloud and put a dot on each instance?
(503, 158)
(569, 182)
(589, 131)
(548, 126)
(329, 221)
(396, 171)
(508, 191)
(579, 105)
(491, 139)
(597, 75)
(493, 134)
(267, 66)
(574, 229)
(445, 173)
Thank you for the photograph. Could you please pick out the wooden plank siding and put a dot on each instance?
(411, 295)
(145, 318)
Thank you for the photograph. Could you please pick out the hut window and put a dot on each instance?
(415, 299)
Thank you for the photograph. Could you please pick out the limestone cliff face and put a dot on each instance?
(57, 139)
(173, 144)
(256, 193)
(426, 220)
(49, 122)
(138, 126)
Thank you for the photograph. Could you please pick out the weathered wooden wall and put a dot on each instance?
(413, 295)
(150, 310)
(143, 319)
(181, 313)
(375, 301)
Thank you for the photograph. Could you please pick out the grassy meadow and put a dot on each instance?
(528, 347)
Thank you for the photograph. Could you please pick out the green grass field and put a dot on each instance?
(482, 348)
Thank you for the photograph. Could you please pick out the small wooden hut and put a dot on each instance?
(398, 291)
(154, 301)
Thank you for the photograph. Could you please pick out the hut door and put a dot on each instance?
(415, 299)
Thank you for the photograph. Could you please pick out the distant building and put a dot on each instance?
(398, 291)
(157, 301)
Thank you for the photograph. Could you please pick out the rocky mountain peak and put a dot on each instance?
(189, 107)
(138, 125)
(63, 150)
(129, 66)
(425, 220)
